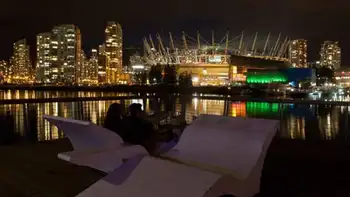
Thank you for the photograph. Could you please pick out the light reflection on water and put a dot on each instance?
(31, 94)
(298, 122)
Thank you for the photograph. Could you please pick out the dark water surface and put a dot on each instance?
(298, 121)
(310, 156)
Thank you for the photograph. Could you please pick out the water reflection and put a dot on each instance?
(31, 94)
(298, 122)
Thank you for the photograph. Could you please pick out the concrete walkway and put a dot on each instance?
(292, 169)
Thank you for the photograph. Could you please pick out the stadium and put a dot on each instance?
(229, 60)
(197, 50)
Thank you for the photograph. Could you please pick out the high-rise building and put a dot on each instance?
(65, 54)
(330, 55)
(43, 61)
(102, 64)
(298, 53)
(5, 71)
(113, 50)
(93, 66)
(89, 72)
(84, 72)
(21, 60)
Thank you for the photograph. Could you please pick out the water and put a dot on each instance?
(298, 122)
(31, 94)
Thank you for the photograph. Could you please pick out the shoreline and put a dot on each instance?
(195, 95)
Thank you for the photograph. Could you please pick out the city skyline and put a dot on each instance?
(33, 57)
(297, 19)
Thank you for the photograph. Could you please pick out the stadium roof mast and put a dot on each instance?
(146, 46)
(254, 42)
(198, 41)
(161, 49)
(226, 47)
(286, 48)
(166, 52)
(184, 40)
(273, 52)
(160, 43)
(213, 42)
(281, 49)
(241, 43)
(172, 46)
(151, 40)
(266, 44)
(185, 45)
(199, 52)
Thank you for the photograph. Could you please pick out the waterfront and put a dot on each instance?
(298, 121)
(308, 157)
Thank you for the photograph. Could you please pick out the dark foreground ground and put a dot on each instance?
(292, 168)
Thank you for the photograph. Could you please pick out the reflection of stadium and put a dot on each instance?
(297, 121)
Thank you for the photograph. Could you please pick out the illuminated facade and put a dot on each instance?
(197, 50)
(90, 68)
(330, 55)
(21, 61)
(298, 53)
(113, 50)
(342, 77)
(93, 66)
(102, 60)
(84, 71)
(266, 77)
(65, 54)
(5, 71)
(43, 61)
(207, 74)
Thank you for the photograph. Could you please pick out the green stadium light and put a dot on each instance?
(264, 78)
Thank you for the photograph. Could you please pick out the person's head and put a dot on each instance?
(135, 110)
(114, 112)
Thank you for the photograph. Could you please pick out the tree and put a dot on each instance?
(141, 78)
(155, 74)
(169, 77)
(185, 79)
(324, 75)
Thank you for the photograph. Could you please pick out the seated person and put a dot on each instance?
(138, 130)
(114, 120)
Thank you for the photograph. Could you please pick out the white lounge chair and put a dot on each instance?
(94, 146)
(215, 155)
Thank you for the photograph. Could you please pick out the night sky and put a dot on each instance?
(314, 20)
